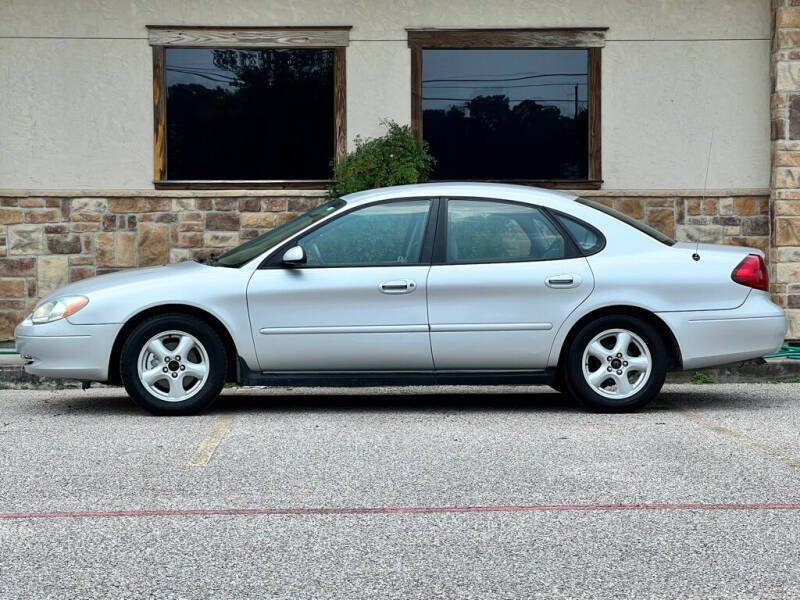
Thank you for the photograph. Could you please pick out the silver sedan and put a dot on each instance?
(423, 284)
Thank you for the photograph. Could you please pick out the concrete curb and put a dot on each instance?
(752, 371)
(16, 378)
(749, 371)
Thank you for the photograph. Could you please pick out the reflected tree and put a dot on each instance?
(260, 114)
(487, 138)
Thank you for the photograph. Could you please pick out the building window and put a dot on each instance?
(509, 105)
(245, 107)
(249, 114)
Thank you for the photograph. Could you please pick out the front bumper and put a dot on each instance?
(718, 337)
(65, 350)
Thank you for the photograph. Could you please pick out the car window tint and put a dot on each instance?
(587, 239)
(489, 231)
(380, 234)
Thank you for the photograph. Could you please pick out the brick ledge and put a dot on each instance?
(78, 193)
(160, 193)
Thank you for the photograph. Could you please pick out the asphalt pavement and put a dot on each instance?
(412, 493)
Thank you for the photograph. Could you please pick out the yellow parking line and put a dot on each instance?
(793, 461)
(209, 445)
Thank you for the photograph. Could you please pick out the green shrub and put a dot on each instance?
(393, 159)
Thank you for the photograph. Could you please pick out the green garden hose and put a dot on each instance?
(792, 352)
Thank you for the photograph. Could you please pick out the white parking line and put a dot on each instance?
(209, 445)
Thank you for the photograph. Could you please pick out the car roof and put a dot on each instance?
(499, 191)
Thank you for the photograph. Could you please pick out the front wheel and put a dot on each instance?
(616, 364)
(173, 364)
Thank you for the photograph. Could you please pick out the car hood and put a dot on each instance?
(130, 277)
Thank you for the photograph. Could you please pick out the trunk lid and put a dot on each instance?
(740, 251)
(712, 273)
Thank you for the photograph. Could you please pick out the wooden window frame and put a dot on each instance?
(161, 37)
(587, 38)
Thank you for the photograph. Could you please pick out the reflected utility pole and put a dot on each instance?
(575, 114)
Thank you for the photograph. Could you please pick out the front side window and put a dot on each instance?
(514, 105)
(258, 105)
(249, 250)
(381, 234)
(479, 231)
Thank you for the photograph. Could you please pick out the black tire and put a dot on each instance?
(586, 394)
(206, 393)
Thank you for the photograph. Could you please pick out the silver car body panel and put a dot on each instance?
(64, 350)
(481, 316)
(708, 338)
(500, 316)
(325, 319)
(117, 297)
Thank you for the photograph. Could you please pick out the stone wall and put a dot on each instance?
(740, 219)
(50, 239)
(785, 186)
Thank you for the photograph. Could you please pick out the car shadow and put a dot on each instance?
(73, 400)
(478, 401)
(358, 401)
(343, 400)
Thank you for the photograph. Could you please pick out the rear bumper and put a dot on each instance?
(64, 350)
(709, 338)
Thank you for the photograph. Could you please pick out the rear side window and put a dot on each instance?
(495, 231)
(646, 229)
(587, 238)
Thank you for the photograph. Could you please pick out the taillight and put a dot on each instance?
(752, 272)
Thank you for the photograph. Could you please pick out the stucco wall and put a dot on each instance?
(75, 107)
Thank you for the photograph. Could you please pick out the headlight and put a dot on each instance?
(59, 308)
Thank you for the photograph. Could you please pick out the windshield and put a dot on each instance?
(646, 229)
(249, 250)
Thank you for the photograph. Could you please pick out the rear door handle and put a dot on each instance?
(568, 280)
(398, 286)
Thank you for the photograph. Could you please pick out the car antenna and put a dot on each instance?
(696, 255)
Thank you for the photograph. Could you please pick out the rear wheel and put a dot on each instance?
(617, 363)
(173, 364)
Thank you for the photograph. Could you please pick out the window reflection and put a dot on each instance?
(506, 114)
(249, 114)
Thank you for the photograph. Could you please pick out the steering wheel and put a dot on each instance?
(317, 254)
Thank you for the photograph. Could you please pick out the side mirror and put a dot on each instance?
(294, 257)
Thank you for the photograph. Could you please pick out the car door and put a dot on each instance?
(358, 303)
(504, 278)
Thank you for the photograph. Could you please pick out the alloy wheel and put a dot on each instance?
(617, 363)
(173, 366)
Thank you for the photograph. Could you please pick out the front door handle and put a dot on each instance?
(568, 280)
(398, 286)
